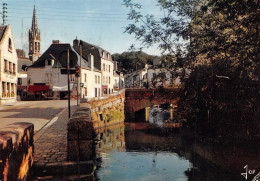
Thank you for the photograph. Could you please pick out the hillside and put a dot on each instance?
(131, 61)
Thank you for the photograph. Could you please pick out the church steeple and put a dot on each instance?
(34, 20)
(34, 39)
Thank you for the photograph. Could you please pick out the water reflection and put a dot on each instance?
(139, 151)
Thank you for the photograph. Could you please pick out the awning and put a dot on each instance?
(62, 88)
(34, 88)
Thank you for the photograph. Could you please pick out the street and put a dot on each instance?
(39, 113)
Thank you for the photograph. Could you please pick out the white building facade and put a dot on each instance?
(8, 66)
(102, 63)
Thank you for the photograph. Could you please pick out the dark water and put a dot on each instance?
(138, 151)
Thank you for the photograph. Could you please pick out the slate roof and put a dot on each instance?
(2, 31)
(54, 52)
(88, 48)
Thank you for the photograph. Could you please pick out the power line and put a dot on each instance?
(39, 10)
(40, 14)
(15, 5)
(104, 21)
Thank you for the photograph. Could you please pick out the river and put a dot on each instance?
(139, 151)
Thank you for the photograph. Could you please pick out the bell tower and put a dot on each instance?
(34, 39)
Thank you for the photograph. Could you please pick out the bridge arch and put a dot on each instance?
(138, 99)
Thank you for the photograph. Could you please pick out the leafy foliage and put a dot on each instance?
(134, 60)
(218, 42)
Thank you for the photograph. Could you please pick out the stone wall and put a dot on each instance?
(16, 151)
(107, 110)
(92, 114)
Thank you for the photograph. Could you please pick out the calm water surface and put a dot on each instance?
(139, 152)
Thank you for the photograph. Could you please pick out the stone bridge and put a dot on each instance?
(137, 100)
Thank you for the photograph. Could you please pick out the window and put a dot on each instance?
(99, 92)
(104, 67)
(99, 79)
(49, 62)
(95, 79)
(10, 67)
(109, 68)
(6, 66)
(95, 92)
(8, 89)
(86, 91)
(14, 68)
(38, 47)
(10, 47)
(12, 90)
(109, 80)
(85, 77)
(35, 46)
(3, 89)
(19, 82)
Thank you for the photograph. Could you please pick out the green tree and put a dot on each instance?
(218, 42)
(133, 60)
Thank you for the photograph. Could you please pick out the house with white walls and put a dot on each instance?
(137, 79)
(102, 62)
(8, 66)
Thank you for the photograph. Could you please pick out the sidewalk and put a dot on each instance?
(50, 153)
(50, 143)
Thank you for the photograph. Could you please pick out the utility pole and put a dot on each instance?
(4, 13)
(80, 69)
(68, 73)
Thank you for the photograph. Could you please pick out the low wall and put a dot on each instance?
(92, 114)
(107, 110)
(16, 151)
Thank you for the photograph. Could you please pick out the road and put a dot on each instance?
(40, 113)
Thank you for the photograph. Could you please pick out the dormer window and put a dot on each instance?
(49, 62)
(10, 47)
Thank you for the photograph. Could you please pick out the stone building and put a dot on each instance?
(34, 39)
(8, 66)
(102, 62)
(47, 78)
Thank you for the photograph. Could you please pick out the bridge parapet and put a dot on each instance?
(137, 99)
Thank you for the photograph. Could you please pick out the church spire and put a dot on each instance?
(34, 39)
(34, 20)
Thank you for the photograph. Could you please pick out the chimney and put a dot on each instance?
(55, 41)
(91, 61)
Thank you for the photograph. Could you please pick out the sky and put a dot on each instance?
(99, 22)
